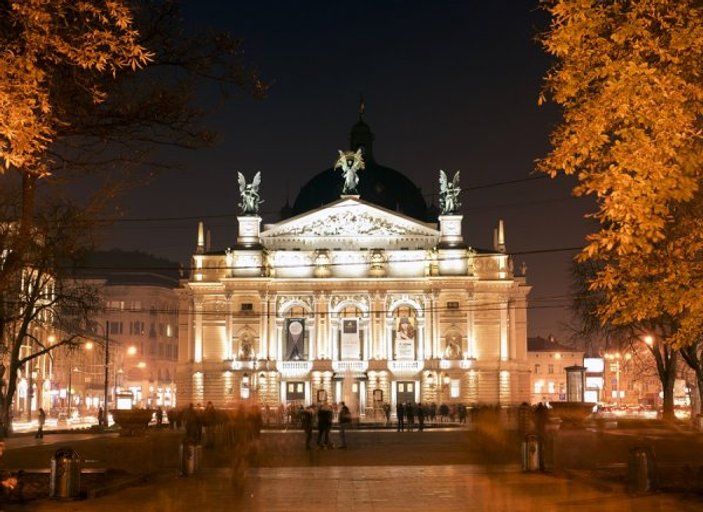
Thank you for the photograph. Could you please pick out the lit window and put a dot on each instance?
(454, 389)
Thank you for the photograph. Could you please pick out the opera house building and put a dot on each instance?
(362, 294)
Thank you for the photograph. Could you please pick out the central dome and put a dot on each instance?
(378, 184)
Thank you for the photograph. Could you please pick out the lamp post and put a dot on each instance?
(68, 393)
(106, 333)
(107, 369)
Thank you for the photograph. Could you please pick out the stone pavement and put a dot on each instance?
(371, 489)
(381, 471)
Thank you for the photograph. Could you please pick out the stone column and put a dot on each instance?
(228, 328)
(264, 349)
(198, 334)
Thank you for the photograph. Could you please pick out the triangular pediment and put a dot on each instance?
(349, 222)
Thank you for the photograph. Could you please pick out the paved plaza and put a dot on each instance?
(381, 471)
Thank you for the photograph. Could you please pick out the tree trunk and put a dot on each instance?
(666, 359)
(15, 260)
(692, 358)
(8, 399)
(668, 388)
(29, 192)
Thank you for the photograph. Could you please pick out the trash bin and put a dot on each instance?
(641, 471)
(65, 479)
(190, 454)
(530, 453)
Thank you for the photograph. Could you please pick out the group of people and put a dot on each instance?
(324, 414)
(211, 426)
(409, 412)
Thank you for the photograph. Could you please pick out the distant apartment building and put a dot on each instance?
(548, 360)
(140, 322)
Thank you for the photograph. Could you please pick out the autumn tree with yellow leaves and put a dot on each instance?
(92, 86)
(41, 41)
(87, 87)
(628, 75)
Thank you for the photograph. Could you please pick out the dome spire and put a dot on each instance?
(361, 136)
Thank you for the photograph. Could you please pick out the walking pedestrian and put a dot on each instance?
(410, 415)
(324, 425)
(541, 421)
(41, 419)
(421, 412)
(209, 421)
(400, 415)
(306, 423)
(344, 421)
(193, 425)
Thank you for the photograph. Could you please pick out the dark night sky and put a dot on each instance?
(449, 85)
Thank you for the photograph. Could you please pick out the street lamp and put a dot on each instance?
(106, 332)
(68, 393)
(616, 358)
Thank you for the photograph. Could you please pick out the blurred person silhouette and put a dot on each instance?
(41, 419)
(307, 420)
(344, 419)
(541, 422)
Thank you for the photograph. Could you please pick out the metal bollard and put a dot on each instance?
(641, 470)
(65, 479)
(190, 454)
(530, 453)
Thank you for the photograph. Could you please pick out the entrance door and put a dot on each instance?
(295, 391)
(406, 392)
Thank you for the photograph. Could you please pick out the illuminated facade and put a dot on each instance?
(548, 360)
(140, 312)
(352, 301)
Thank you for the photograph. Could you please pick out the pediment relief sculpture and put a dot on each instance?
(351, 224)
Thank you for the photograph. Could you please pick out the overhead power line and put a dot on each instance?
(313, 265)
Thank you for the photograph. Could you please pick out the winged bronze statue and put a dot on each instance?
(449, 194)
(350, 162)
(249, 194)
